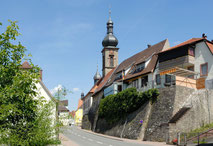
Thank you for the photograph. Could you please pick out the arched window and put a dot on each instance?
(111, 60)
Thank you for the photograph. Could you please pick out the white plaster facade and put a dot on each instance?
(44, 92)
(203, 55)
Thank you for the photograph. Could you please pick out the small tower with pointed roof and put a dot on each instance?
(97, 76)
(110, 51)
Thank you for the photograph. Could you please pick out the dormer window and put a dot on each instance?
(118, 75)
(139, 67)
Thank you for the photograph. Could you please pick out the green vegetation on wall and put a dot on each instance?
(114, 107)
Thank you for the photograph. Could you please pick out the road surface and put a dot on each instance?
(84, 138)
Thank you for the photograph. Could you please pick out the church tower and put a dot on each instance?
(110, 51)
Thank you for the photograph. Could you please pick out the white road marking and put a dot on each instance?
(84, 137)
(90, 139)
(110, 145)
(99, 142)
(79, 135)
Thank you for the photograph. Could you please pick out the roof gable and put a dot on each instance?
(210, 45)
(80, 103)
(26, 65)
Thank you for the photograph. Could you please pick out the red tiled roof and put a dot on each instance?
(80, 103)
(103, 81)
(26, 65)
(141, 56)
(190, 41)
(210, 45)
(92, 90)
(150, 67)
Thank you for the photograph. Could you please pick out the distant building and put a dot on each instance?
(79, 113)
(63, 112)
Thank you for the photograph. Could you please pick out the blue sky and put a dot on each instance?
(65, 36)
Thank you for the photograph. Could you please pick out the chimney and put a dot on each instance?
(149, 45)
(204, 36)
(40, 73)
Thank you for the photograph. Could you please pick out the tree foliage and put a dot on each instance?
(21, 113)
(114, 107)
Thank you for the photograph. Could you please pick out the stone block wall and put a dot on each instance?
(156, 117)
(169, 102)
(129, 127)
(86, 124)
(200, 113)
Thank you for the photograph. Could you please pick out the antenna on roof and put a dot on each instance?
(204, 36)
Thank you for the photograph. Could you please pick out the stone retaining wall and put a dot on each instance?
(156, 117)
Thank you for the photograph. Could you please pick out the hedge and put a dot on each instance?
(117, 106)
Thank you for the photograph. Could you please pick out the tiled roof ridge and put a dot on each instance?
(187, 42)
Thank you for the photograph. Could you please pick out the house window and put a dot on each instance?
(204, 69)
(111, 60)
(119, 88)
(191, 68)
(191, 51)
(168, 79)
(140, 67)
(158, 79)
(144, 81)
(135, 83)
(118, 76)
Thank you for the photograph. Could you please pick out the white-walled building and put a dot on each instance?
(187, 64)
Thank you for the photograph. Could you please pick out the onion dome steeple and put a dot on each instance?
(97, 76)
(110, 41)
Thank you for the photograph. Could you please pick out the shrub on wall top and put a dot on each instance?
(114, 107)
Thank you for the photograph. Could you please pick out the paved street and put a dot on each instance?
(85, 138)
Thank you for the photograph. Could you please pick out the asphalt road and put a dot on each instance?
(83, 138)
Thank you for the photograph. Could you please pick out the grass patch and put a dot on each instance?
(199, 130)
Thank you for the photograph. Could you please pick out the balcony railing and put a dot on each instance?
(175, 80)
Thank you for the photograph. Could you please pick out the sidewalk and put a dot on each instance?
(65, 141)
(128, 140)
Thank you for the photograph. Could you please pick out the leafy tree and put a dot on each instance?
(22, 115)
(61, 93)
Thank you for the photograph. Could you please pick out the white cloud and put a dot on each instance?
(76, 89)
(54, 90)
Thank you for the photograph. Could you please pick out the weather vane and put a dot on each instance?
(110, 12)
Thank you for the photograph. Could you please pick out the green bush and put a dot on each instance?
(24, 119)
(117, 106)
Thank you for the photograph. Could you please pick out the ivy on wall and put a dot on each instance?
(117, 106)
